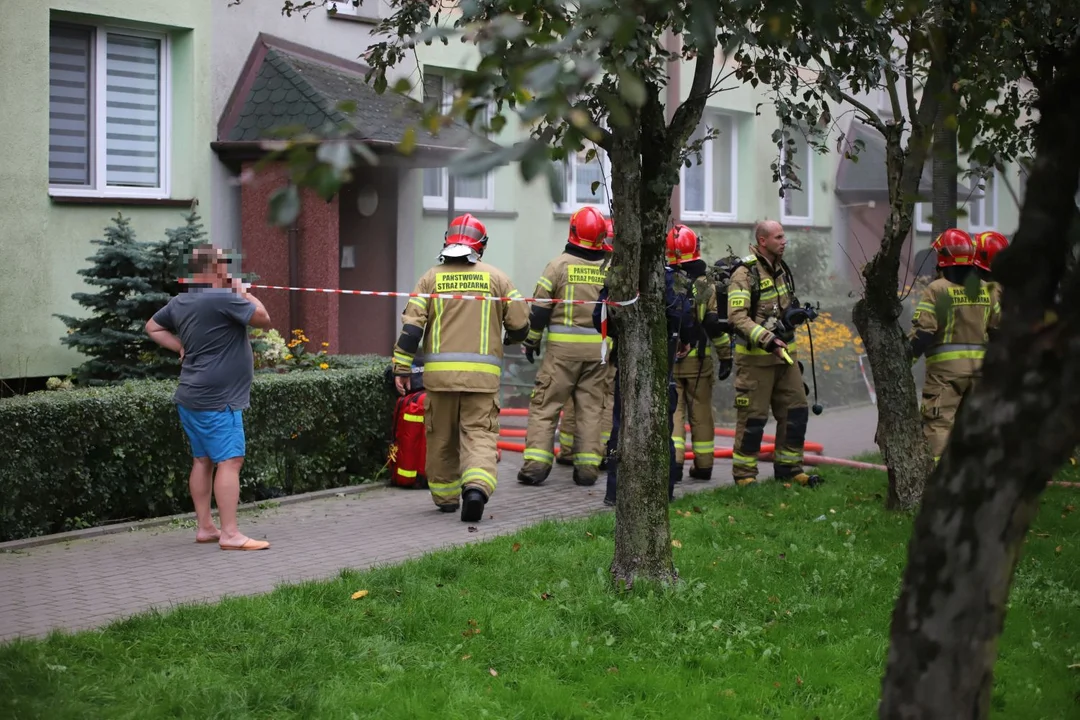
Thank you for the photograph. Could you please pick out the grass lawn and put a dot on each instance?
(783, 612)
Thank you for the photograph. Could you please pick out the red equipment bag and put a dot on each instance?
(408, 443)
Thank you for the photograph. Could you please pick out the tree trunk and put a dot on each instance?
(944, 158)
(945, 165)
(1011, 435)
(876, 316)
(642, 534)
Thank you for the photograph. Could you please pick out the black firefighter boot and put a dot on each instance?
(704, 474)
(472, 505)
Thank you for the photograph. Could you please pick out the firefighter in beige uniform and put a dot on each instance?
(766, 371)
(566, 425)
(694, 373)
(463, 349)
(572, 366)
(951, 326)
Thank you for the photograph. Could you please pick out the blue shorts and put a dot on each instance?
(217, 434)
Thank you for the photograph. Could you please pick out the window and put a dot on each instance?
(923, 214)
(795, 204)
(982, 213)
(108, 112)
(581, 172)
(708, 185)
(470, 193)
(366, 10)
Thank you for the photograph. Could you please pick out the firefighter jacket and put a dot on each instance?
(462, 339)
(951, 327)
(755, 327)
(678, 315)
(712, 336)
(576, 274)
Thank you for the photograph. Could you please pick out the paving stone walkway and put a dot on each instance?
(88, 583)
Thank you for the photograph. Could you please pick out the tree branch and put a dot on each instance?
(871, 118)
(909, 79)
(686, 117)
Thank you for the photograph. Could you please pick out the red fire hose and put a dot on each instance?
(719, 452)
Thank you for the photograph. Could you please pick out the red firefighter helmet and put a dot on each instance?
(608, 243)
(466, 237)
(682, 245)
(954, 247)
(988, 245)
(587, 228)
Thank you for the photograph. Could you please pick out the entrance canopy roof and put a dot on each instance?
(286, 84)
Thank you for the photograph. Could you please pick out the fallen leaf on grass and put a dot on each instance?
(684, 513)
(832, 511)
(473, 623)
(613, 669)
(769, 515)
(473, 529)
(359, 594)
(776, 684)
(1074, 666)
(1058, 549)
(783, 506)
(545, 596)
(493, 672)
(787, 486)
(676, 543)
(729, 693)
(517, 546)
(466, 657)
(588, 534)
(1042, 535)
(798, 681)
(731, 520)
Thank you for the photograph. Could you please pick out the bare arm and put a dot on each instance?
(261, 318)
(164, 338)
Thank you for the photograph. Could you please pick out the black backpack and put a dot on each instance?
(724, 268)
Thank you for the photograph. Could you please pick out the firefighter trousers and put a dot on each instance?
(566, 425)
(462, 443)
(674, 469)
(943, 393)
(757, 389)
(560, 379)
(694, 386)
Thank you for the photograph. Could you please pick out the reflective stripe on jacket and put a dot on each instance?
(571, 333)
(462, 344)
(958, 323)
(751, 336)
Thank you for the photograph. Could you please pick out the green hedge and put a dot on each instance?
(87, 457)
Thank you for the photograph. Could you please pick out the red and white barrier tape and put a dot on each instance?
(444, 296)
(866, 379)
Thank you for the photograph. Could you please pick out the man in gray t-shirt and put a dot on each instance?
(208, 326)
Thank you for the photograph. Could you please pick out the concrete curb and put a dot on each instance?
(86, 534)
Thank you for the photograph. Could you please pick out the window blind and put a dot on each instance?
(132, 111)
(70, 105)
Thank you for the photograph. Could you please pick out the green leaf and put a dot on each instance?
(408, 140)
(631, 88)
(284, 206)
(335, 154)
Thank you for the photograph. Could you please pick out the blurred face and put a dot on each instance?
(772, 240)
(214, 268)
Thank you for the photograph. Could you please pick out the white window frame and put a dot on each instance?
(807, 178)
(99, 187)
(919, 221)
(603, 193)
(368, 10)
(707, 160)
(442, 201)
(983, 225)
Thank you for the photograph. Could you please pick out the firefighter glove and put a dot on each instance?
(724, 370)
(531, 351)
